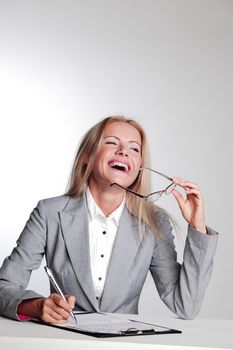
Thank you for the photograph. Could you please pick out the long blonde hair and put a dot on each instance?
(81, 171)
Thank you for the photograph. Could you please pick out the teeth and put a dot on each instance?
(113, 164)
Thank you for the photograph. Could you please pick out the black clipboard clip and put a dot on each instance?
(135, 331)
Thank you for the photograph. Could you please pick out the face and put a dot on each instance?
(119, 157)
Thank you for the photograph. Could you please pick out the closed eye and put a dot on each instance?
(135, 148)
(110, 143)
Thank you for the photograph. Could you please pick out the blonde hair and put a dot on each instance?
(81, 171)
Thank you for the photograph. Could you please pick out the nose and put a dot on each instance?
(122, 151)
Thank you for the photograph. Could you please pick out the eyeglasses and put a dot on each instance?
(154, 196)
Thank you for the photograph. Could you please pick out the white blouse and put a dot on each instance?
(102, 233)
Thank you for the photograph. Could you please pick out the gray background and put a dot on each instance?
(65, 64)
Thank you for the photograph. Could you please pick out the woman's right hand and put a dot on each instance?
(53, 309)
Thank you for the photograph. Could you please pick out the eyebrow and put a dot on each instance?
(119, 139)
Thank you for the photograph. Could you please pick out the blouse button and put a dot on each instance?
(104, 232)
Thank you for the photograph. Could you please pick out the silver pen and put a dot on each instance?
(56, 286)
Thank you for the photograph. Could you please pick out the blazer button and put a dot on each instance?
(104, 232)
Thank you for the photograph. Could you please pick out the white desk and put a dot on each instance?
(201, 333)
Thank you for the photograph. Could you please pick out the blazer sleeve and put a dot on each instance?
(182, 286)
(25, 257)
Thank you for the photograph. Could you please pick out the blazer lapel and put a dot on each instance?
(74, 223)
(124, 252)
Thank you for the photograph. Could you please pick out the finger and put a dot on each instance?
(178, 179)
(49, 315)
(194, 192)
(178, 196)
(50, 308)
(58, 315)
(184, 183)
(59, 301)
(60, 311)
(56, 304)
(70, 300)
(52, 318)
(180, 182)
(191, 185)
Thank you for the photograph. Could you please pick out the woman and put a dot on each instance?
(102, 237)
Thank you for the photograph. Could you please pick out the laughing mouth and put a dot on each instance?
(119, 166)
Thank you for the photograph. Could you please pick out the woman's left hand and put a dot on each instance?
(192, 207)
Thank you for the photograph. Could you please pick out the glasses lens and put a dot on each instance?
(170, 188)
(154, 197)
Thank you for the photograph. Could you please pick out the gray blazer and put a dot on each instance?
(58, 228)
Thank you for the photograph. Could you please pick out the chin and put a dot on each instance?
(122, 179)
(122, 182)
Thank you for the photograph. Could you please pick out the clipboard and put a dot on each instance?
(103, 325)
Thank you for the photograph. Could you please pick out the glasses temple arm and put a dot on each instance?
(126, 189)
(157, 172)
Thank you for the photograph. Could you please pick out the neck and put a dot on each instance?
(106, 197)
